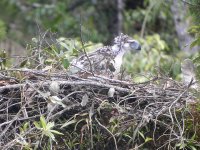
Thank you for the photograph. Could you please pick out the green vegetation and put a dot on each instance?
(159, 112)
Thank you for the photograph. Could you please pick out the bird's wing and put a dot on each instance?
(98, 62)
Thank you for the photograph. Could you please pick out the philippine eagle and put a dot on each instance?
(106, 60)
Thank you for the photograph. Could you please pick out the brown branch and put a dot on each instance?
(73, 83)
(83, 46)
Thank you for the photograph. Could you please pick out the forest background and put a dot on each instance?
(165, 28)
(40, 36)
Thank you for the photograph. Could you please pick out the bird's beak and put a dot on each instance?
(139, 47)
(134, 44)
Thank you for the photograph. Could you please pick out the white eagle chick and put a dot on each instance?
(108, 59)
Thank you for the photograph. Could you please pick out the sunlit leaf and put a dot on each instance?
(192, 147)
(56, 132)
(51, 135)
(43, 122)
(147, 139)
(37, 125)
(49, 125)
(25, 126)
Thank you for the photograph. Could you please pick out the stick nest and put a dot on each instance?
(91, 107)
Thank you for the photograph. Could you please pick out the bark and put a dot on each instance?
(120, 7)
(182, 24)
(111, 13)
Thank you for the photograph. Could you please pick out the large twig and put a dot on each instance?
(83, 47)
(73, 83)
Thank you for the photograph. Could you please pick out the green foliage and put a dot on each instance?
(195, 30)
(196, 61)
(152, 59)
(64, 16)
(46, 128)
(2, 30)
(146, 139)
(194, 7)
(21, 137)
(154, 18)
(3, 60)
(60, 53)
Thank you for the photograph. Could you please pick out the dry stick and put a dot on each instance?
(7, 77)
(95, 77)
(146, 17)
(108, 132)
(78, 83)
(120, 81)
(39, 45)
(11, 121)
(91, 112)
(62, 111)
(178, 98)
(83, 46)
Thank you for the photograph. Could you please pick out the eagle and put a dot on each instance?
(106, 60)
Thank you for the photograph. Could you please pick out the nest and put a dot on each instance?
(91, 106)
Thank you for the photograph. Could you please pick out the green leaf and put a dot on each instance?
(25, 126)
(194, 29)
(197, 59)
(147, 139)
(64, 45)
(195, 43)
(51, 135)
(37, 125)
(43, 122)
(50, 125)
(192, 147)
(183, 145)
(56, 132)
(65, 63)
(23, 63)
(75, 52)
(142, 135)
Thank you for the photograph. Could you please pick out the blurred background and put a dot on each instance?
(168, 29)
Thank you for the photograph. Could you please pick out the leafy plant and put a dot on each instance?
(21, 138)
(152, 59)
(2, 30)
(46, 128)
(3, 60)
(61, 52)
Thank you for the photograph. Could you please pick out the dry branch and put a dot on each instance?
(133, 105)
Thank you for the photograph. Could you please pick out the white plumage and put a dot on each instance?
(106, 60)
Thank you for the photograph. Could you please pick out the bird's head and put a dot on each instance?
(126, 43)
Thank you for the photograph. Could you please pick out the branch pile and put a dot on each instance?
(91, 106)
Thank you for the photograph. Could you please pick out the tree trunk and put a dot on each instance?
(111, 13)
(182, 25)
(120, 8)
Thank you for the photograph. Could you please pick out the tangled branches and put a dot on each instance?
(92, 110)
